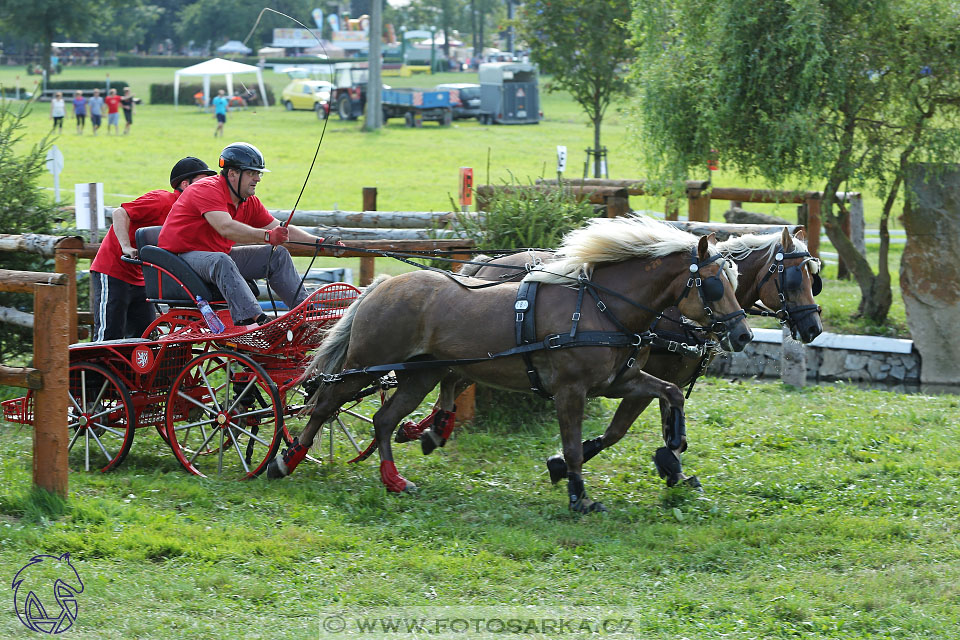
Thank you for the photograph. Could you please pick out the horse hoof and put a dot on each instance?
(694, 483)
(406, 432)
(430, 440)
(586, 505)
(273, 470)
(557, 467)
(668, 466)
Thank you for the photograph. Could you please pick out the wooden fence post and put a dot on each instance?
(50, 356)
(813, 226)
(368, 263)
(618, 204)
(66, 263)
(698, 205)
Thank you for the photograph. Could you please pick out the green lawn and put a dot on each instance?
(829, 512)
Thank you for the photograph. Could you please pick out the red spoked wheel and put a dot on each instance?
(100, 418)
(224, 416)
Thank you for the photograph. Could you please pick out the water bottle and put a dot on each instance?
(209, 315)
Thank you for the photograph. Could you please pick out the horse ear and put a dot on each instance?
(786, 241)
(800, 235)
(712, 237)
(703, 247)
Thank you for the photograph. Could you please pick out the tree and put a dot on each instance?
(584, 46)
(24, 208)
(846, 91)
(44, 20)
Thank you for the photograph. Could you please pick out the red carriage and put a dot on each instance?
(219, 400)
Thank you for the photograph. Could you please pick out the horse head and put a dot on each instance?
(714, 305)
(791, 280)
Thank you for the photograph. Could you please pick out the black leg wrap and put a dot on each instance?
(668, 466)
(592, 447)
(557, 466)
(579, 502)
(677, 430)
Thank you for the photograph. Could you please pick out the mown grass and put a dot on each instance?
(829, 512)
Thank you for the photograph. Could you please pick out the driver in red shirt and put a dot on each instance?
(220, 211)
(120, 307)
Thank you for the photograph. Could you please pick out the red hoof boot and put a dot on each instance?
(410, 430)
(392, 480)
(285, 464)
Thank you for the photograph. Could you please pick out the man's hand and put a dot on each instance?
(337, 243)
(130, 252)
(277, 235)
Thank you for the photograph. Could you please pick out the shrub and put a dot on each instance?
(24, 208)
(130, 60)
(521, 216)
(163, 93)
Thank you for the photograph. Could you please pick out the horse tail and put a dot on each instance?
(471, 269)
(332, 352)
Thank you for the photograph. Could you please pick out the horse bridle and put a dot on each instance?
(709, 289)
(789, 279)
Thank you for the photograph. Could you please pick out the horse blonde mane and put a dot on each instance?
(607, 240)
(740, 247)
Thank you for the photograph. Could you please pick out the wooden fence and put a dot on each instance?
(49, 377)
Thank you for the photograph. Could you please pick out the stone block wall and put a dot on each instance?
(829, 358)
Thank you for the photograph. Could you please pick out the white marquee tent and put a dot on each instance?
(217, 67)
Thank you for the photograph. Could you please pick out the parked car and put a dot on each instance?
(465, 98)
(307, 94)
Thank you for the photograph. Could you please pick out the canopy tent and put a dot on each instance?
(234, 46)
(217, 67)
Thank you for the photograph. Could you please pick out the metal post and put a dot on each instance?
(433, 48)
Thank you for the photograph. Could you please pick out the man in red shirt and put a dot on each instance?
(120, 306)
(221, 211)
(113, 111)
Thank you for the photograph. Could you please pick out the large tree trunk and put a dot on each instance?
(858, 265)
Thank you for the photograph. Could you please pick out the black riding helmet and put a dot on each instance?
(188, 168)
(244, 157)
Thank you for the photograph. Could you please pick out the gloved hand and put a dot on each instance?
(277, 235)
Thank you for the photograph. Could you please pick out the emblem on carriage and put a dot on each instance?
(142, 358)
(32, 588)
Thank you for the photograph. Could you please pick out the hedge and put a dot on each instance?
(86, 85)
(163, 93)
(130, 60)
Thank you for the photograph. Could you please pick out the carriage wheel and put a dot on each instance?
(100, 418)
(224, 416)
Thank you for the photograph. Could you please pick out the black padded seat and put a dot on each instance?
(164, 289)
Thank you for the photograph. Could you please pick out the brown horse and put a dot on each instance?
(785, 292)
(428, 325)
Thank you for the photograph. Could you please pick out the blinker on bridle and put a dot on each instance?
(790, 279)
(709, 289)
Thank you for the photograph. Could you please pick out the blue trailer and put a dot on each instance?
(417, 105)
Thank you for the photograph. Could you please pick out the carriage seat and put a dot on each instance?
(169, 279)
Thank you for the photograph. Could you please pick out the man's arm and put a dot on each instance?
(121, 227)
(224, 224)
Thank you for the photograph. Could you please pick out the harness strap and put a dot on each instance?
(526, 332)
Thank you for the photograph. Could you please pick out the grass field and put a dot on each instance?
(829, 512)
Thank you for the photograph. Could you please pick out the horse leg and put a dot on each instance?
(570, 405)
(444, 414)
(628, 411)
(667, 458)
(326, 406)
(412, 388)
